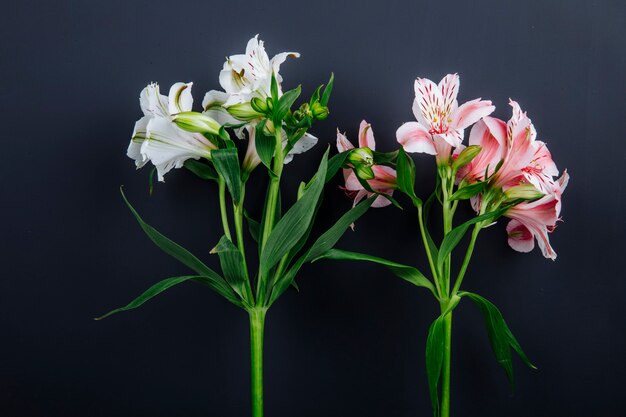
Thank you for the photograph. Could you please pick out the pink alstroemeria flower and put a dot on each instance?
(384, 177)
(440, 120)
(534, 220)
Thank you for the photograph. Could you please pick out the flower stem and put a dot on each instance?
(445, 378)
(429, 255)
(466, 260)
(238, 214)
(257, 324)
(222, 189)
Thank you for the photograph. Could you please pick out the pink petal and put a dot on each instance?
(471, 112)
(384, 178)
(520, 238)
(366, 136)
(343, 144)
(415, 138)
(382, 201)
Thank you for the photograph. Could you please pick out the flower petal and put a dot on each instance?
(520, 238)
(152, 102)
(471, 112)
(449, 88)
(343, 144)
(366, 136)
(180, 98)
(428, 101)
(169, 147)
(139, 135)
(305, 143)
(414, 137)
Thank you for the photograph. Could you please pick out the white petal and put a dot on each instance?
(304, 144)
(169, 147)
(139, 135)
(152, 102)
(180, 98)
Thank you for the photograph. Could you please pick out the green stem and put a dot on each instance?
(445, 379)
(429, 255)
(257, 324)
(238, 214)
(272, 200)
(270, 208)
(466, 260)
(222, 188)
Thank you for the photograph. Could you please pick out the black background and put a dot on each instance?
(351, 343)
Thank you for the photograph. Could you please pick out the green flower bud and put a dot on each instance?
(364, 172)
(361, 157)
(259, 105)
(244, 112)
(192, 121)
(319, 112)
(523, 192)
(466, 156)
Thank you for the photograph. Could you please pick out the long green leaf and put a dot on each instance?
(284, 104)
(434, 250)
(455, 235)
(202, 170)
(335, 163)
(226, 163)
(326, 241)
(406, 272)
(253, 226)
(183, 255)
(231, 261)
(434, 361)
(328, 90)
(405, 168)
(265, 144)
(469, 191)
(294, 223)
(499, 333)
(151, 292)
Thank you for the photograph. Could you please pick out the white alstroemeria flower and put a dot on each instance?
(156, 137)
(249, 75)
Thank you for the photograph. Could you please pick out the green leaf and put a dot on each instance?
(284, 104)
(151, 292)
(469, 191)
(226, 163)
(499, 333)
(434, 360)
(274, 89)
(405, 168)
(382, 158)
(406, 272)
(151, 180)
(202, 170)
(453, 237)
(326, 241)
(294, 223)
(253, 226)
(231, 261)
(265, 144)
(335, 163)
(184, 256)
(328, 90)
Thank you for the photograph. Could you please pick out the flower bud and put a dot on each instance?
(319, 112)
(364, 172)
(244, 112)
(259, 105)
(192, 121)
(361, 157)
(523, 192)
(466, 156)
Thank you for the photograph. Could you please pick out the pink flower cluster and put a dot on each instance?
(511, 159)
